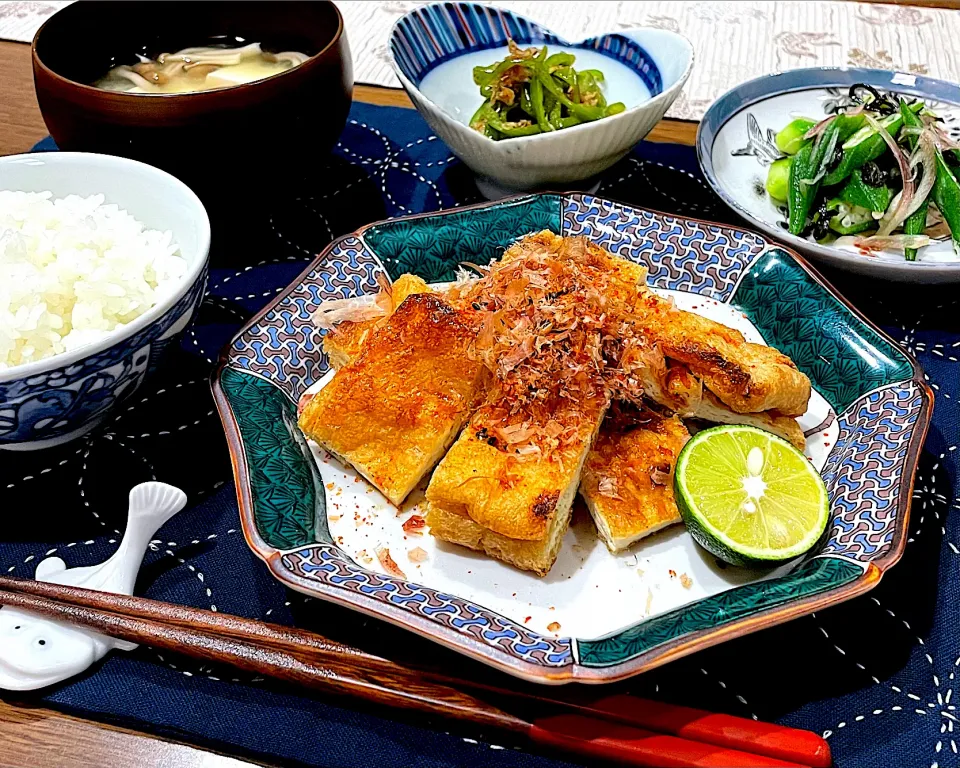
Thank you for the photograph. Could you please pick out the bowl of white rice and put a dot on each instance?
(103, 262)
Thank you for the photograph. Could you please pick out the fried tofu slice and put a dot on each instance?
(671, 385)
(537, 555)
(627, 480)
(621, 279)
(746, 377)
(393, 412)
(343, 343)
(711, 409)
(514, 509)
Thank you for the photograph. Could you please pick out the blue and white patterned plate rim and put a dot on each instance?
(524, 31)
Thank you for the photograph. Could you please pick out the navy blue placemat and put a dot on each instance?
(876, 676)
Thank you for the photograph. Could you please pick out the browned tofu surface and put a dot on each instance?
(627, 480)
(513, 497)
(343, 343)
(746, 377)
(393, 411)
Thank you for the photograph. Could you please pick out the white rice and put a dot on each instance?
(72, 270)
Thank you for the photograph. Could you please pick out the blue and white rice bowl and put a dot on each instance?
(54, 400)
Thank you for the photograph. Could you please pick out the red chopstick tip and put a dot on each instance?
(822, 756)
(636, 746)
(777, 741)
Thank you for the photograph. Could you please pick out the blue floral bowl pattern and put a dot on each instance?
(55, 406)
(428, 36)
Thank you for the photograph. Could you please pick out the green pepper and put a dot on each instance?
(916, 222)
(778, 178)
(531, 130)
(486, 88)
(481, 120)
(560, 60)
(547, 91)
(857, 192)
(588, 87)
(807, 165)
(567, 75)
(865, 145)
(849, 219)
(584, 112)
(946, 196)
(536, 98)
(798, 201)
(849, 125)
(526, 104)
(491, 123)
(513, 131)
(790, 138)
(552, 108)
(482, 75)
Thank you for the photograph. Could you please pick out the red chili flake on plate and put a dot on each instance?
(673, 573)
(527, 619)
(388, 563)
(415, 525)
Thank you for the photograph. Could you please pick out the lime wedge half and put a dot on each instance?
(749, 497)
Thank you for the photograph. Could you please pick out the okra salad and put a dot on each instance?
(881, 175)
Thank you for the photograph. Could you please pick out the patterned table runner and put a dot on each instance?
(876, 676)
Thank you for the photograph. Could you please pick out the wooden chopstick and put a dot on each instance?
(260, 659)
(297, 655)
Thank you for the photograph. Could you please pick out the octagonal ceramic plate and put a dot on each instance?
(596, 617)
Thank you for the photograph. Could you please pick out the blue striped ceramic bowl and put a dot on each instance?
(434, 50)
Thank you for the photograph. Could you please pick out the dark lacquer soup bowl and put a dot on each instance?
(203, 137)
